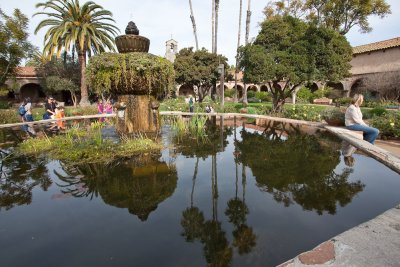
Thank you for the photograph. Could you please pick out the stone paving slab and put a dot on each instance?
(375, 243)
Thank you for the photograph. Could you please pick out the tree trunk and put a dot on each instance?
(246, 39)
(84, 90)
(216, 26)
(238, 44)
(194, 24)
(244, 93)
(213, 26)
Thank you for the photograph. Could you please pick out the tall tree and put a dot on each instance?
(216, 26)
(213, 26)
(199, 69)
(87, 27)
(248, 17)
(14, 45)
(238, 45)
(289, 52)
(339, 15)
(194, 24)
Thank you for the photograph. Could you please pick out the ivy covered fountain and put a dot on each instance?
(137, 77)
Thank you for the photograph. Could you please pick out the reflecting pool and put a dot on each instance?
(246, 195)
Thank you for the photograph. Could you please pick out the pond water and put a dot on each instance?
(245, 196)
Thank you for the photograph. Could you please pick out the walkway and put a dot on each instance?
(375, 243)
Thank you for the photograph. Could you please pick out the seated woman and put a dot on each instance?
(354, 121)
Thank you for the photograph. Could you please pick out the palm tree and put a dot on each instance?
(238, 44)
(216, 26)
(213, 26)
(87, 27)
(246, 40)
(194, 24)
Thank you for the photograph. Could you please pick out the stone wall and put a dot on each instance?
(385, 60)
(383, 84)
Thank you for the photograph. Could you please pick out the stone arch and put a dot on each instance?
(252, 88)
(264, 88)
(357, 87)
(338, 89)
(277, 86)
(313, 87)
(32, 90)
(186, 90)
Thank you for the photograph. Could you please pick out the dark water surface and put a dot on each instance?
(242, 198)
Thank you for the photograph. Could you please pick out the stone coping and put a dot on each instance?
(373, 151)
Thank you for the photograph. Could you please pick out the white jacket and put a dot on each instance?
(353, 116)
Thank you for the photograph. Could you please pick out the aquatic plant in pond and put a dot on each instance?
(194, 126)
(86, 145)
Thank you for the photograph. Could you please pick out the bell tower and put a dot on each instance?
(171, 49)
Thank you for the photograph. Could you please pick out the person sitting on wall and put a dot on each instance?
(29, 117)
(354, 121)
(50, 109)
(347, 152)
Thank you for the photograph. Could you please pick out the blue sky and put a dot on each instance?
(158, 20)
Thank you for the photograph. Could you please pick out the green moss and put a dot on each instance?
(130, 73)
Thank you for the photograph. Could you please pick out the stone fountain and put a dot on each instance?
(137, 77)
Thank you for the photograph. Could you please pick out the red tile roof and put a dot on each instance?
(395, 42)
(25, 72)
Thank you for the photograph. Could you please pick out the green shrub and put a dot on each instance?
(307, 113)
(229, 92)
(72, 111)
(4, 105)
(378, 111)
(388, 125)
(251, 93)
(304, 95)
(264, 96)
(9, 116)
(344, 100)
(323, 92)
(333, 114)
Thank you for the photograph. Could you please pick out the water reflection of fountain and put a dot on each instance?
(139, 184)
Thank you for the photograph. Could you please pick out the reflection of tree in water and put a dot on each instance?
(217, 249)
(298, 169)
(192, 218)
(18, 177)
(215, 141)
(139, 184)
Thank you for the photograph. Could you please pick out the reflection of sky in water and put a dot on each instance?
(63, 230)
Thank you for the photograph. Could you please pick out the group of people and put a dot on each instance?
(52, 111)
(25, 112)
(106, 108)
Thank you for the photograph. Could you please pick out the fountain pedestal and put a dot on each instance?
(137, 113)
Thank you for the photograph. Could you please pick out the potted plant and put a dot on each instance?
(334, 116)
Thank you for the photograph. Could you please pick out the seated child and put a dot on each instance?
(59, 115)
